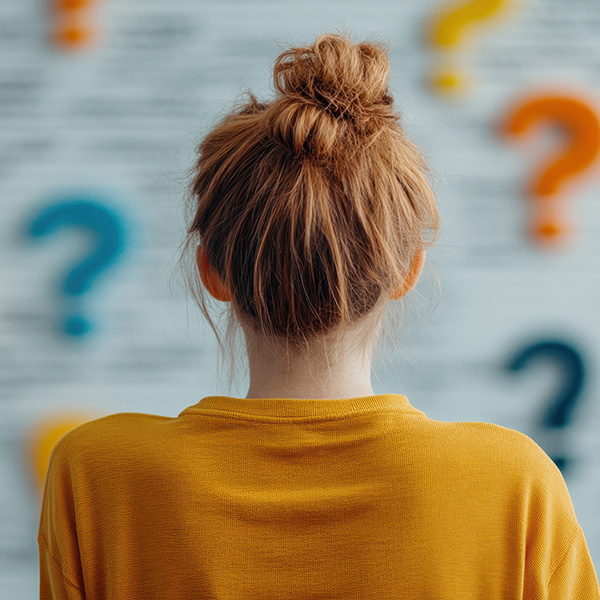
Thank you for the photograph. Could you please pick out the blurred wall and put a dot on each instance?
(98, 129)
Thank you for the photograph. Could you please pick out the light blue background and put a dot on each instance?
(123, 119)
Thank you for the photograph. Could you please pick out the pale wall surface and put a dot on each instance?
(122, 120)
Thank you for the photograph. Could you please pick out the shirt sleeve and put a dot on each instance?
(53, 584)
(575, 576)
(558, 562)
(61, 575)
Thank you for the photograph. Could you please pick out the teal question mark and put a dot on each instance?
(82, 211)
(558, 414)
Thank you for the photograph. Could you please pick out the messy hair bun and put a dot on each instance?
(311, 207)
(330, 90)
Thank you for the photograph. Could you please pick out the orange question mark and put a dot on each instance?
(578, 116)
(71, 28)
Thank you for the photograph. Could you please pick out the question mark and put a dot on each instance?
(447, 31)
(580, 119)
(42, 438)
(71, 27)
(558, 414)
(94, 216)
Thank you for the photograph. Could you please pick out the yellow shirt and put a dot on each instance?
(271, 499)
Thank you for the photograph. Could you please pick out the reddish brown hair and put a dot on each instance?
(311, 206)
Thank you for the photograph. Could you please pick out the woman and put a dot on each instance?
(308, 215)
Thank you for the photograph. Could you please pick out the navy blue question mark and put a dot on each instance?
(88, 214)
(558, 414)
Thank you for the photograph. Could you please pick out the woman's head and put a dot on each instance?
(308, 212)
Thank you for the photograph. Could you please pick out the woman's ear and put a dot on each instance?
(210, 278)
(413, 276)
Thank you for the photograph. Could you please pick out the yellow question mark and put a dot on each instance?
(447, 31)
(44, 436)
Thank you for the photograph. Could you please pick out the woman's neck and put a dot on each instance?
(347, 375)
